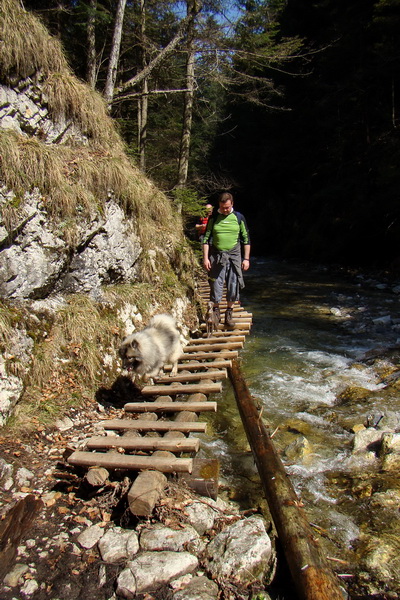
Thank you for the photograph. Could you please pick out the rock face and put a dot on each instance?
(35, 261)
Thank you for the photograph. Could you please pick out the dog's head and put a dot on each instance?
(130, 354)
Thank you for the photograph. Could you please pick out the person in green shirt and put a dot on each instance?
(226, 234)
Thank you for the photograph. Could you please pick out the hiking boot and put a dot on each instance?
(229, 322)
(217, 314)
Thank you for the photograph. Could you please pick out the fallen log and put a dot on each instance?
(311, 574)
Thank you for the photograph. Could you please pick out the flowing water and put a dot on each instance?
(310, 334)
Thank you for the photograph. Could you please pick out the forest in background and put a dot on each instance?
(291, 104)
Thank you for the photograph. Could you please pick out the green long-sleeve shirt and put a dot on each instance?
(225, 231)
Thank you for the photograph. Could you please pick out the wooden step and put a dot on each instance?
(162, 406)
(237, 327)
(209, 355)
(114, 460)
(190, 388)
(228, 345)
(219, 363)
(209, 374)
(143, 443)
(142, 425)
(217, 339)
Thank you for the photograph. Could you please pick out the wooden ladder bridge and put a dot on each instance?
(158, 437)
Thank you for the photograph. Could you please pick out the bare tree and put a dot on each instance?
(143, 100)
(91, 72)
(114, 54)
(192, 8)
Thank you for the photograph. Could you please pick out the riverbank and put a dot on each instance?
(84, 543)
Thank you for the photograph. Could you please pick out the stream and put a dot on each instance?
(306, 362)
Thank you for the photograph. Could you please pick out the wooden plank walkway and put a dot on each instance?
(171, 406)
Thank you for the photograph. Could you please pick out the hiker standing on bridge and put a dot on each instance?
(226, 232)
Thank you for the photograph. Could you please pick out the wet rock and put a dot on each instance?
(390, 443)
(151, 570)
(242, 552)
(298, 450)
(89, 537)
(390, 499)
(165, 538)
(367, 441)
(118, 544)
(199, 588)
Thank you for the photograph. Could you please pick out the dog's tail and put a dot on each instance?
(161, 321)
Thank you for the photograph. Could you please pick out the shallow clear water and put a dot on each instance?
(309, 330)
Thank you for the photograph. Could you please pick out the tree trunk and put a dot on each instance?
(114, 54)
(91, 72)
(311, 575)
(188, 106)
(144, 98)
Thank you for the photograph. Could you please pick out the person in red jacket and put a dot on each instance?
(201, 225)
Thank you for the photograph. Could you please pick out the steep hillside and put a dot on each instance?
(89, 247)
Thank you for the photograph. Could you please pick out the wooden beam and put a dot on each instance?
(114, 460)
(173, 390)
(216, 339)
(311, 574)
(209, 374)
(158, 406)
(141, 425)
(224, 345)
(219, 363)
(143, 443)
(210, 355)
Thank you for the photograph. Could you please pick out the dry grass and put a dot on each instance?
(73, 180)
(28, 47)
(77, 182)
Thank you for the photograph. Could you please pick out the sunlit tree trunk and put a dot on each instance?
(188, 105)
(114, 54)
(143, 100)
(91, 39)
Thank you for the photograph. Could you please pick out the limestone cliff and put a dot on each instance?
(76, 217)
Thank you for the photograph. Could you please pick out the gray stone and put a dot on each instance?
(13, 577)
(151, 570)
(165, 538)
(201, 516)
(118, 544)
(199, 588)
(241, 553)
(89, 537)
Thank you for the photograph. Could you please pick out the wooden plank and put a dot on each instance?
(209, 374)
(114, 460)
(190, 388)
(143, 443)
(227, 344)
(162, 406)
(217, 340)
(238, 327)
(219, 363)
(209, 355)
(141, 425)
(310, 572)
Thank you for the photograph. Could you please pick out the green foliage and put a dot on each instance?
(187, 199)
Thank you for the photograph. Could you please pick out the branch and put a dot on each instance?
(180, 34)
(149, 93)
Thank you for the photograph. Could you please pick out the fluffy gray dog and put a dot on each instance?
(145, 352)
